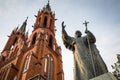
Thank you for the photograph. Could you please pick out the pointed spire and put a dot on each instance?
(48, 6)
(23, 27)
(26, 34)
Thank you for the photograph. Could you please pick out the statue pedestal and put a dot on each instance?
(106, 76)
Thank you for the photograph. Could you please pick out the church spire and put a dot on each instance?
(23, 27)
(48, 6)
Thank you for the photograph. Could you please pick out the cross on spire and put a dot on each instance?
(85, 23)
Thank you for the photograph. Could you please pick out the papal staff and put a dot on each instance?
(85, 23)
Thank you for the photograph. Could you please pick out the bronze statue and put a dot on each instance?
(88, 62)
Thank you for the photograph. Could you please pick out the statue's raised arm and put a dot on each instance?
(63, 26)
(67, 40)
(63, 29)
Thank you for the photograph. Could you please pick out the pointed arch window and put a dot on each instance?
(15, 41)
(39, 35)
(22, 44)
(45, 65)
(39, 20)
(50, 42)
(46, 36)
(15, 78)
(13, 54)
(49, 67)
(54, 47)
(26, 63)
(34, 39)
(51, 23)
(45, 22)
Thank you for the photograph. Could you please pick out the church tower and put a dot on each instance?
(9, 58)
(37, 57)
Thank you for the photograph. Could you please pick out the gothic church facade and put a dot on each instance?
(37, 57)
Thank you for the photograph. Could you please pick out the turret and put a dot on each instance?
(45, 19)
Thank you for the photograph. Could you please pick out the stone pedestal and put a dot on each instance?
(106, 76)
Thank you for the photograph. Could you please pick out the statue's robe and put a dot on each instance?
(82, 56)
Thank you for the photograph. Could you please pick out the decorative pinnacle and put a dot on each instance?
(48, 5)
(26, 19)
(23, 27)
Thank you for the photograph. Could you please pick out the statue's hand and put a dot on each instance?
(86, 31)
(63, 26)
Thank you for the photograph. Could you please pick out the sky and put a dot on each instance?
(103, 17)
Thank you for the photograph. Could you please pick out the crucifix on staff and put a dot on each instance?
(91, 56)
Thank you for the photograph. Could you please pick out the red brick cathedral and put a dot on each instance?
(37, 57)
